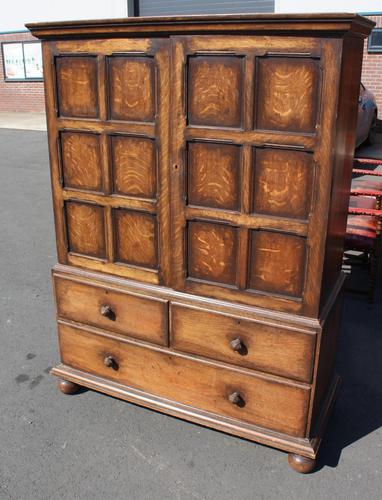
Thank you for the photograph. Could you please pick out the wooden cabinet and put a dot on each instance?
(200, 173)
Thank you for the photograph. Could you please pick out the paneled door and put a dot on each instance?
(250, 146)
(108, 111)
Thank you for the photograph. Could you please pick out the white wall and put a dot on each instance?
(328, 6)
(15, 13)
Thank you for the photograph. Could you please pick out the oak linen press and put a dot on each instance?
(200, 170)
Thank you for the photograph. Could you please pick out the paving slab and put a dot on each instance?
(23, 121)
(90, 446)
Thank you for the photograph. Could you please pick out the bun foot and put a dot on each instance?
(68, 387)
(301, 464)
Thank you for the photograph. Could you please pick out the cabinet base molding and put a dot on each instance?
(299, 449)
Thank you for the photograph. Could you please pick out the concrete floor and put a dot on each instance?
(90, 446)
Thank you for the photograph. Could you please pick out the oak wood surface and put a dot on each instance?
(304, 446)
(262, 347)
(264, 193)
(200, 186)
(280, 407)
(110, 168)
(134, 315)
(333, 23)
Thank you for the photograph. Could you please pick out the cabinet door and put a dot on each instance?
(251, 166)
(108, 105)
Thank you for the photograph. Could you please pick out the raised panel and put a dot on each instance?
(81, 160)
(136, 238)
(131, 88)
(134, 166)
(77, 86)
(212, 252)
(283, 182)
(213, 171)
(277, 263)
(287, 94)
(85, 229)
(214, 90)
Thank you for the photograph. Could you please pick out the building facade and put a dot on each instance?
(21, 86)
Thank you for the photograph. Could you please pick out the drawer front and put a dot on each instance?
(137, 316)
(254, 399)
(246, 343)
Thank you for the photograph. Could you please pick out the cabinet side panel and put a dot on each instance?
(343, 160)
(326, 361)
(51, 115)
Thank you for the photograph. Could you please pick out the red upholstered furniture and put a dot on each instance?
(365, 217)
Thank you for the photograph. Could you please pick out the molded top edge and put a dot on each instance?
(330, 22)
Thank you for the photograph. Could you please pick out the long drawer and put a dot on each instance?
(250, 397)
(255, 345)
(137, 316)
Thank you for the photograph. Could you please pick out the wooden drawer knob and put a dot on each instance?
(110, 362)
(236, 399)
(239, 346)
(107, 312)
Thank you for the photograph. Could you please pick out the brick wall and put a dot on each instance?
(26, 96)
(372, 69)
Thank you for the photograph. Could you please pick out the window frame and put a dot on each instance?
(26, 78)
(376, 49)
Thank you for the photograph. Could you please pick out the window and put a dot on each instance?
(374, 43)
(22, 61)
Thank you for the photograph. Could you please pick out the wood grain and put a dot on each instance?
(136, 240)
(283, 183)
(287, 94)
(134, 166)
(213, 175)
(77, 91)
(133, 315)
(203, 332)
(132, 88)
(277, 263)
(216, 177)
(275, 405)
(212, 252)
(85, 229)
(214, 87)
(81, 160)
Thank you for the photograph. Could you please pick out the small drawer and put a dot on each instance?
(137, 316)
(260, 400)
(258, 346)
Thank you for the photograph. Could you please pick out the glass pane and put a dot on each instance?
(13, 60)
(33, 60)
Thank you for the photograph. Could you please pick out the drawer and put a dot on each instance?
(252, 398)
(246, 343)
(137, 316)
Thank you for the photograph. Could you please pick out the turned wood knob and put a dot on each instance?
(237, 345)
(107, 311)
(110, 362)
(236, 399)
